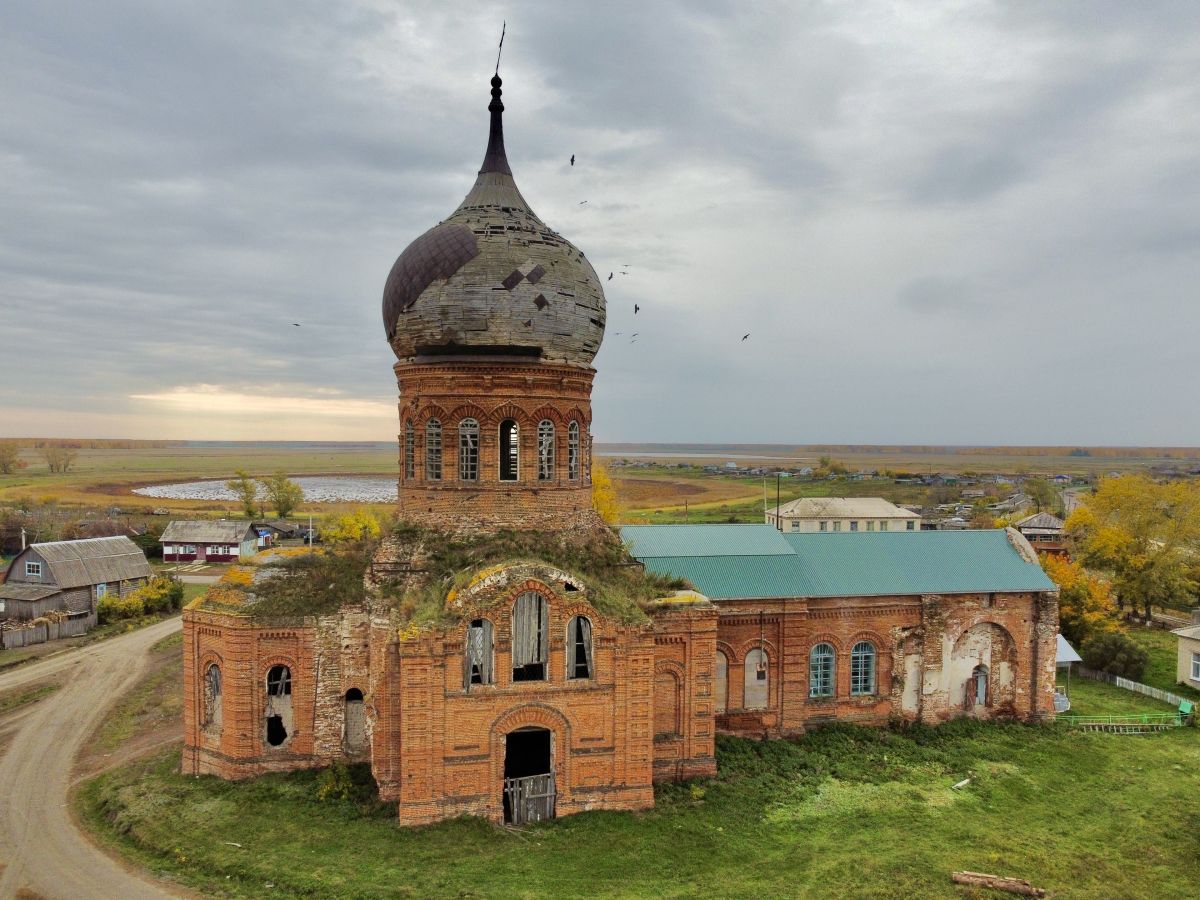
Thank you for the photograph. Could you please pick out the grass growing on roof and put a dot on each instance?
(845, 811)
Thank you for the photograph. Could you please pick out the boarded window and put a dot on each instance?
(546, 444)
(212, 696)
(573, 451)
(355, 724)
(510, 450)
(410, 451)
(820, 671)
(433, 450)
(722, 679)
(579, 648)
(862, 669)
(757, 679)
(529, 637)
(477, 655)
(468, 450)
(666, 704)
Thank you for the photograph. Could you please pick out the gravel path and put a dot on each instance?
(41, 849)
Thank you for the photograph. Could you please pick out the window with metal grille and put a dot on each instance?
(545, 450)
(862, 669)
(820, 671)
(433, 450)
(573, 451)
(510, 450)
(468, 450)
(279, 682)
(410, 451)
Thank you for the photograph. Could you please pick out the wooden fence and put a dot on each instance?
(41, 630)
(1136, 686)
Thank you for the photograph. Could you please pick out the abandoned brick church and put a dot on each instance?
(509, 655)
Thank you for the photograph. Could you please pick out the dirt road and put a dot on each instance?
(40, 848)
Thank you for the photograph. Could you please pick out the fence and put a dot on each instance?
(1136, 686)
(41, 630)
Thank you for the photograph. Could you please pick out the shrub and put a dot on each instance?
(1115, 653)
(112, 608)
(157, 596)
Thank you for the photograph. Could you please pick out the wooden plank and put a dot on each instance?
(998, 883)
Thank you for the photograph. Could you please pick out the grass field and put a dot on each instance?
(1163, 649)
(841, 812)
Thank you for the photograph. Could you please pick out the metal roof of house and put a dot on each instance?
(1191, 631)
(1041, 520)
(838, 564)
(18, 591)
(91, 561)
(207, 532)
(1065, 654)
(844, 508)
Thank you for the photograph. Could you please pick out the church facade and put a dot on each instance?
(513, 657)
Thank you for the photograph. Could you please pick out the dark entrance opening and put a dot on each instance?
(528, 777)
(276, 733)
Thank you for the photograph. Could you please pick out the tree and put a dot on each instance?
(1085, 602)
(604, 495)
(285, 495)
(1146, 535)
(10, 457)
(246, 490)
(352, 528)
(1115, 653)
(1043, 494)
(58, 459)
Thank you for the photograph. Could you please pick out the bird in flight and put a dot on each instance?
(635, 334)
(581, 202)
(297, 324)
(635, 309)
(572, 159)
(610, 274)
(744, 336)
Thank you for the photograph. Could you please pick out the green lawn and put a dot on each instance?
(1098, 698)
(842, 812)
(1163, 648)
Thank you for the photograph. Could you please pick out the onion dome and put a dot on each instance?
(493, 279)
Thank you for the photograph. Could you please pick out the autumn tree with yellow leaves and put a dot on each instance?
(1145, 535)
(604, 495)
(1085, 602)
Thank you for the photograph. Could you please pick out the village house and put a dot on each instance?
(561, 673)
(1188, 662)
(70, 577)
(835, 514)
(1045, 532)
(212, 541)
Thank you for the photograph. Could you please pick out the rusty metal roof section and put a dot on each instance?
(90, 561)
(494, 276)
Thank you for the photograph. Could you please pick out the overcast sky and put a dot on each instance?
(967, 223)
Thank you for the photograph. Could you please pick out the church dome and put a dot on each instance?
(493, 279)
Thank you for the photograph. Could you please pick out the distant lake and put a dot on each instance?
(317, 489)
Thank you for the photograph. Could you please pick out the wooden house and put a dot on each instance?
(220, 541)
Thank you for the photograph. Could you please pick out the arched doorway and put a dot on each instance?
(977, 689)
(529, 791)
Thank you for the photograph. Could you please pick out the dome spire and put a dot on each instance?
(495, 160)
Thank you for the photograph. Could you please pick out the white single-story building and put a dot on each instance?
(809, 514)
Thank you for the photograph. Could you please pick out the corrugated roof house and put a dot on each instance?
(859, 514)
(209, 540)
(71, 576)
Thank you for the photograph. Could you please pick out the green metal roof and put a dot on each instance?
(861, 564)
(704, 540)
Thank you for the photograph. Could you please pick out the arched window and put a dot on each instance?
(666, 704)
(529, 637)
(468, 450)
(579, 647)
(212, 696)
(722, 678)
(410, 451)
(477, 656)
(433, 450)
(545, 450)
(820, 671)
(573, 451)
(757, 684)
(510, 450)
(354, 721)
(278, 711)
(862, 669)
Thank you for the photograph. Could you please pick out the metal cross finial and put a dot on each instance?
(503, 27)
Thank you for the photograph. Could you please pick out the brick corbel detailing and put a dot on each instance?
(490, 392)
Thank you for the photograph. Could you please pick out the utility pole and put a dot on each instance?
(778, 516)
(22, 537)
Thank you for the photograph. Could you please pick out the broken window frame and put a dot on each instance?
(530, 637)
(863, 656)
(546, 440)
(212, 695)
(468, 450)
(573, 451)
(509, 449)
(479, 654)
(279, 681)
(822, 668)
(410, 451)
(433, 450)
(756, 673)
(579, 638)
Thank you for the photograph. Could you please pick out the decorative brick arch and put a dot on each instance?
(532, 715)
(430, 411)
(824, 638)
(731, 656)
(669, 707)
(548, 412)
(466, 411)
(765, 644)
